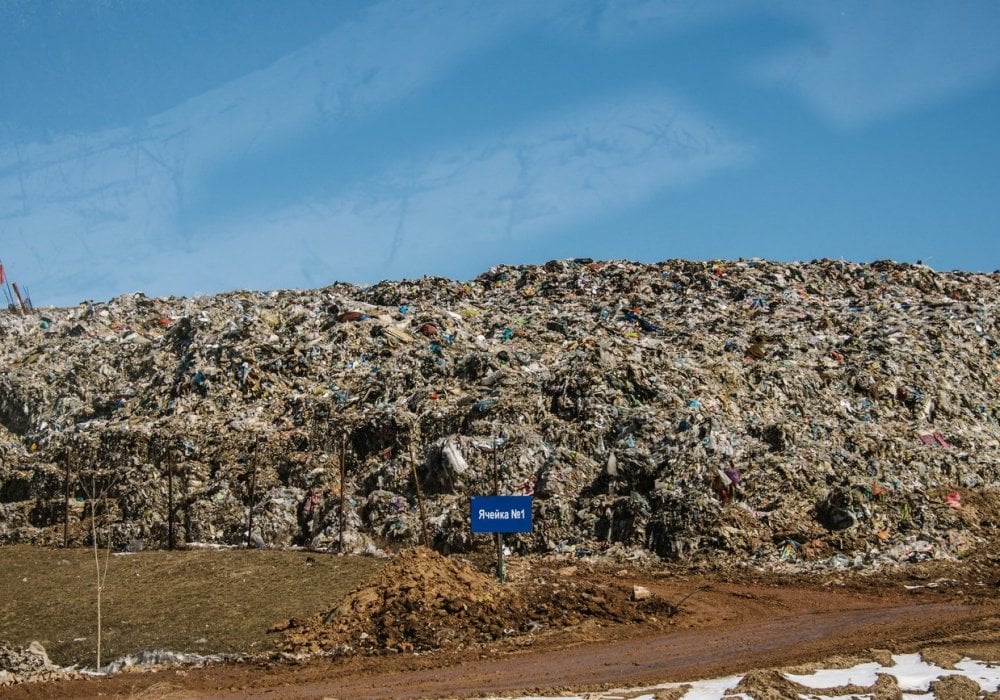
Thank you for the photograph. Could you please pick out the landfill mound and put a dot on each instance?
(782, 414)
(422, 601)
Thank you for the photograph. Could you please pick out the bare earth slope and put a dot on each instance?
(693, 626)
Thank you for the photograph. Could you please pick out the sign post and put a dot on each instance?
(501, 514)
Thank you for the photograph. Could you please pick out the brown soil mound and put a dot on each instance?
(422, 601)
(771, 684)
(955, 687)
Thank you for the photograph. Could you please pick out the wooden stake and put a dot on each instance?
(66, 505)
(501, 573)
(253, 488)
(496, 474)
(170, 502)
(20, 301)
(496, 492)
(420, 496)
(343, 477)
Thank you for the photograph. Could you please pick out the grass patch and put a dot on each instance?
(204, 601)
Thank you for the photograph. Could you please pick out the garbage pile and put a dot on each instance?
(824, 412)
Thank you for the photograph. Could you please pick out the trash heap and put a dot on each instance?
(769, 412)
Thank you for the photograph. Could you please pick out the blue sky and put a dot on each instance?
(180, 147)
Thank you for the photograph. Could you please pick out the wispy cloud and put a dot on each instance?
(94, 207)
(418, 216)
(855, 61)
(118, 210)
(449, 213)
(626, 20)
(111, 205)
(867, 61)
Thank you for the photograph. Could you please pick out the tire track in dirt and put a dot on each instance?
(677, 656)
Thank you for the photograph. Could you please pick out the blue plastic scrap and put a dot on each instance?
(647, 326)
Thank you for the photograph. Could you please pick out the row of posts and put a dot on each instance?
(252, 479)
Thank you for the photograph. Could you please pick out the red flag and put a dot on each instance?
(2, 276)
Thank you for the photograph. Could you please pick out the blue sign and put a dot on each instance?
(501, 513)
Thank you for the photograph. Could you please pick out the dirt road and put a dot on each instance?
(725, 628)
(679, 656)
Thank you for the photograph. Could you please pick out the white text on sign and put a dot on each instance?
(516, 514)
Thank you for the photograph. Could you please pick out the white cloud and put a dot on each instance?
(100, 214)
(870, 61)
(858, 61)
(106, 202)
(626, 20)
(421, 216)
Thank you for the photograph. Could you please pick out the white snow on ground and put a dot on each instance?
(987, 675)
(912, 673)
(862, 674)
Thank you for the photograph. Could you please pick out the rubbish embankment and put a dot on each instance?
(823, 414)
